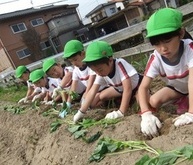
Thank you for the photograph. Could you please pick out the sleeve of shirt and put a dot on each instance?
(69, 68)
(100, 80)
(91, 72)
(152, 67)
(126, 70)
(75, 74)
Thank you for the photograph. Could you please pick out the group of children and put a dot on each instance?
(97, 77)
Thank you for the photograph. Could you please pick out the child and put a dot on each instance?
(172, 59)
(46, 84)
(23, 73)
(83, 77)
(121, 77)
(63, 76)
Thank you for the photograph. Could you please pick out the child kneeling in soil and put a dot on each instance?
(121, 77)
(172, 60)
(63, 76)
(23, 73)
(83, 77)
(46, 84)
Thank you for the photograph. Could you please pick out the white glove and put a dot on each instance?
(184, 119)
(36, 97)
(114, 115)
(79, 115)
(49, 102)
(150, 124)
(23, 100)
(56, 92)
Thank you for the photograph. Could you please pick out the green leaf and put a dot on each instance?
(93, 137)
(167, 159)
(187, 151)
(99, 152)
(79, 134)
(143, 160)
(74, 128)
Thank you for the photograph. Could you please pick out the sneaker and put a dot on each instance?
(182, 105)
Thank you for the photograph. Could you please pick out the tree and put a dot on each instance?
(31, 38)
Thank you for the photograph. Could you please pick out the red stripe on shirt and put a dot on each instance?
(179, 76)
(123, 70)
(84, 78)
(191, 45)
(149, 64)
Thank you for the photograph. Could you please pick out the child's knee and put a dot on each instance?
(154, 102)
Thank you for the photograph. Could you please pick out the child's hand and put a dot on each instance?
(56, 92)
(114, 115)
(23, 100)
(36, 97)
(78, 116)
(184, 119)
(150, 124)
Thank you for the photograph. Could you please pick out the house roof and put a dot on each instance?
(33, 10)
(99, 7)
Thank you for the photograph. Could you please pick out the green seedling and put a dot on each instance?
(55, 125)
(107, 145)
(15, 109)
(173, 157)
(79, 130)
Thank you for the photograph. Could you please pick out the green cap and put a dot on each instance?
(47, 64)
(72, 47)
(36, 75)
(97, 50)
(20, 70)
(164, 21)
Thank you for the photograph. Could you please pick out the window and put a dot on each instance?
(112, 10)
(37, 22)
(23, 53)
(17, 28)
(56, 42)
(45, 45)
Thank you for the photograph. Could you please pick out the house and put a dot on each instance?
(35, 33)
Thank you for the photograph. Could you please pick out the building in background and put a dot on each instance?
(33, 34)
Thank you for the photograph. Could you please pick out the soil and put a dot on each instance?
(25, 139)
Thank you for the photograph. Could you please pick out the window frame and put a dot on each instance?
(38, 24)
(23, 51)
(25, 28)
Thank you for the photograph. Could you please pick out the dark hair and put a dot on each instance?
(104, 60)
(187, 35)
(27, 71)
(77, 53)
(162, 37)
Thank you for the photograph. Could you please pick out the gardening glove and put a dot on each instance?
(56, 92)
(36, 97)
(49, 102)
(114, 115)
(150, 124)
(78, 116)
(23, 100)
(65, 111)
(184, 119)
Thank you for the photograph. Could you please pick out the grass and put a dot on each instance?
(13, 93)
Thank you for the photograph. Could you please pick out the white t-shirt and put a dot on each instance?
(122, 70)
(66, 70)
(176, 74)
(52, 84)
(36, 89)
(82, 76)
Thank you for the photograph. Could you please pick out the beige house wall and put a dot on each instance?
(4, 61)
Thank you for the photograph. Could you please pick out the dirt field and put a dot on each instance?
(25, 139)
